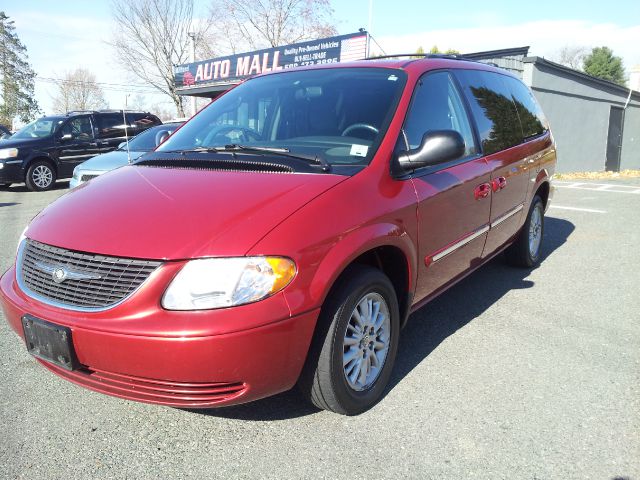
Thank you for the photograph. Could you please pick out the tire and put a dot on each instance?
(525, 251)
(40, 176)
(324, 381)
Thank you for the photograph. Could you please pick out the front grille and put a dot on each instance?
(86, 178)
(104, 280)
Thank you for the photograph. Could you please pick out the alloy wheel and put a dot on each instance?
(366, 341)
(535, 232)
(42, 176)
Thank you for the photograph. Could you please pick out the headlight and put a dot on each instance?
(226, 282)
(76, 173)
(8, 153)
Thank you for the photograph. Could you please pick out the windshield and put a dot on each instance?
(43, 127)
(340, 114)
(148, 140)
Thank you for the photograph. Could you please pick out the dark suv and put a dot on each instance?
(52, 146)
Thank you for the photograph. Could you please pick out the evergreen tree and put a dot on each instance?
(16, 77)
(602, 63)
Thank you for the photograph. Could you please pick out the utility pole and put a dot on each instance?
(192, 36)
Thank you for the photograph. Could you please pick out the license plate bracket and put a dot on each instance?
(49, 342)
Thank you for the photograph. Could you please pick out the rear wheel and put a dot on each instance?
(525, 251)
(40, 176)
(352, 356)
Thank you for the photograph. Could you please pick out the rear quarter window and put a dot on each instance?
(493, 109)
(532, 118)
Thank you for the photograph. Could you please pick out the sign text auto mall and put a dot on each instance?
(232, 68)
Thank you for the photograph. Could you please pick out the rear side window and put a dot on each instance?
(141, 121)
(493, 109)
(437, 105)
(110, 125)
(532, 119)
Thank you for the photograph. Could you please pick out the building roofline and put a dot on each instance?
(585, 77)
(505, 52)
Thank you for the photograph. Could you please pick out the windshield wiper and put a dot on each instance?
(281, 152)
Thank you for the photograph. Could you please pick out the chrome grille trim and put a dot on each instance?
(108, 281)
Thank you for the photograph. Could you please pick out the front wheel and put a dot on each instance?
(352, 355)
(40, 176)
(525, 251)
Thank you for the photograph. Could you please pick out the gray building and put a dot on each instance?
(596, 123)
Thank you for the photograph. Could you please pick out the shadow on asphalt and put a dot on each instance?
(59, 185)
(426, 329)
(10, 204)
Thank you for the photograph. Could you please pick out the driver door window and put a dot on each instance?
(437, 105)
(79, 128)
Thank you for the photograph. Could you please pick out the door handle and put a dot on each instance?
(482, 191)
(498, 183)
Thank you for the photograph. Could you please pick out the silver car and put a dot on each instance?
(138, 146)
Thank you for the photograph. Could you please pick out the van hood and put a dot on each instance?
(168, 213)
(25, 142)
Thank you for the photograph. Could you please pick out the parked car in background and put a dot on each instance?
(4, 132)
(137, 146)
(51, 147)
(284, 234)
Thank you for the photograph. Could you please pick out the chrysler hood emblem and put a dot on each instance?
(59, 273)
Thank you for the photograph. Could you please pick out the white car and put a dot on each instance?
(138, 146)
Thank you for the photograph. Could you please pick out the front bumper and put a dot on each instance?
(183, 367)
(11, 171)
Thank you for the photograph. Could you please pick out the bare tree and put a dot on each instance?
(270, 23)
(78, 90)
(571, 56)
(150, 37)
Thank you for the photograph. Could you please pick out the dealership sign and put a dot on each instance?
(233, 68)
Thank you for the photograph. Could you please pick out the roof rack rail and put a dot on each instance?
(75, 112)
(108, 110)
(448, 56)
(120, 110)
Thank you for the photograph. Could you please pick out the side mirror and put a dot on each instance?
(122, 145)
(161, 137)
(66, 137)
(438, 146)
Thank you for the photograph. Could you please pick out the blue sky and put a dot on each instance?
(63, 35)
(390, 17)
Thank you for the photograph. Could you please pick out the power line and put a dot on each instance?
(117, 87)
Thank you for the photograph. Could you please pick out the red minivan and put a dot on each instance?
(284, 234)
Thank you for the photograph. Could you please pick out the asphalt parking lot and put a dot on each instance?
(511, 374)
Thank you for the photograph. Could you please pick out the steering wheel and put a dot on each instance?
(360, 126)
(247, 134)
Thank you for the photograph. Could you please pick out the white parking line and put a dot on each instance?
(599, 187)
(589, 210)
